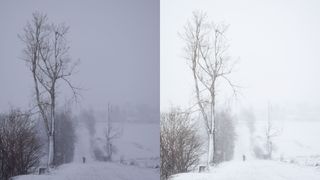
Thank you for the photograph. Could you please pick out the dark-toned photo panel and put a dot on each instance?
(240, 90)
(80, 90)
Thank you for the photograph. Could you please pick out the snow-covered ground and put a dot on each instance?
(297, 146)
(137, 140)
(253, 170)
(243, 143)
(298, 138)
(96, 171)
(138, 146)
(82, 144)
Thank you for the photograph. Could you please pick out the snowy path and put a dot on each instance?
(242, 144)
(96, 171)
(82, 145)
(253, 170)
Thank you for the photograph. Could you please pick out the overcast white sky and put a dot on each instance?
(117, 42)
(277, 43)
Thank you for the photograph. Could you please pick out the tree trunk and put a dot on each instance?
(51, 150)
(210, 149)
(51, 155)
(213, 129)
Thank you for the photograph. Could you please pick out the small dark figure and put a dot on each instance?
(84, 160)
(244, 157)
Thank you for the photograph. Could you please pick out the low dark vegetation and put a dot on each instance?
(180, 143)
(20, 148)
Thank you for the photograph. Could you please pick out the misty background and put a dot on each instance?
(275, 42)
(116, 43)
(113, 127)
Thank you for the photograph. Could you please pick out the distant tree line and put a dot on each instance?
(65, 138)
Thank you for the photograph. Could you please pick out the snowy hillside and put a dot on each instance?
(253, 170)
(138, 143)
(137, 140)
(296, 139)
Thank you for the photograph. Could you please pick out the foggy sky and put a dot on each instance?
(277, 43)
(116, 41)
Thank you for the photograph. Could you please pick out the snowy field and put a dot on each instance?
(297, 145)
(138, 147)
(96, 171)
(253, 170)
(296, 139)
(137, 140)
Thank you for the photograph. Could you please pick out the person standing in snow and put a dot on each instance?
(244, 157)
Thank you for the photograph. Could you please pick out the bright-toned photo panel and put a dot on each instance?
(239, 89)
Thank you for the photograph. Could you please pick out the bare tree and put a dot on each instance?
(47, 55)
(206, 48)
(111, 134)
(20, 147)
(271, 132)
(180, 144)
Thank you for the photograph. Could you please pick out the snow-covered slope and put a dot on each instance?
(253, 170)
(96, 171)
(242, 142)
(82, 144)
(296, 139)
(136, 140)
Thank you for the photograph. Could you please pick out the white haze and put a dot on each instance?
(276, 43)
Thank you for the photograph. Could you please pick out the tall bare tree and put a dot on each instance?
(111, 134)
(206, 48)
(271, 132)
(47, 55)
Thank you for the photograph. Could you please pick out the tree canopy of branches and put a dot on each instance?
(206, 48)
(180, 144)
(46, 53)
(20, 148)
